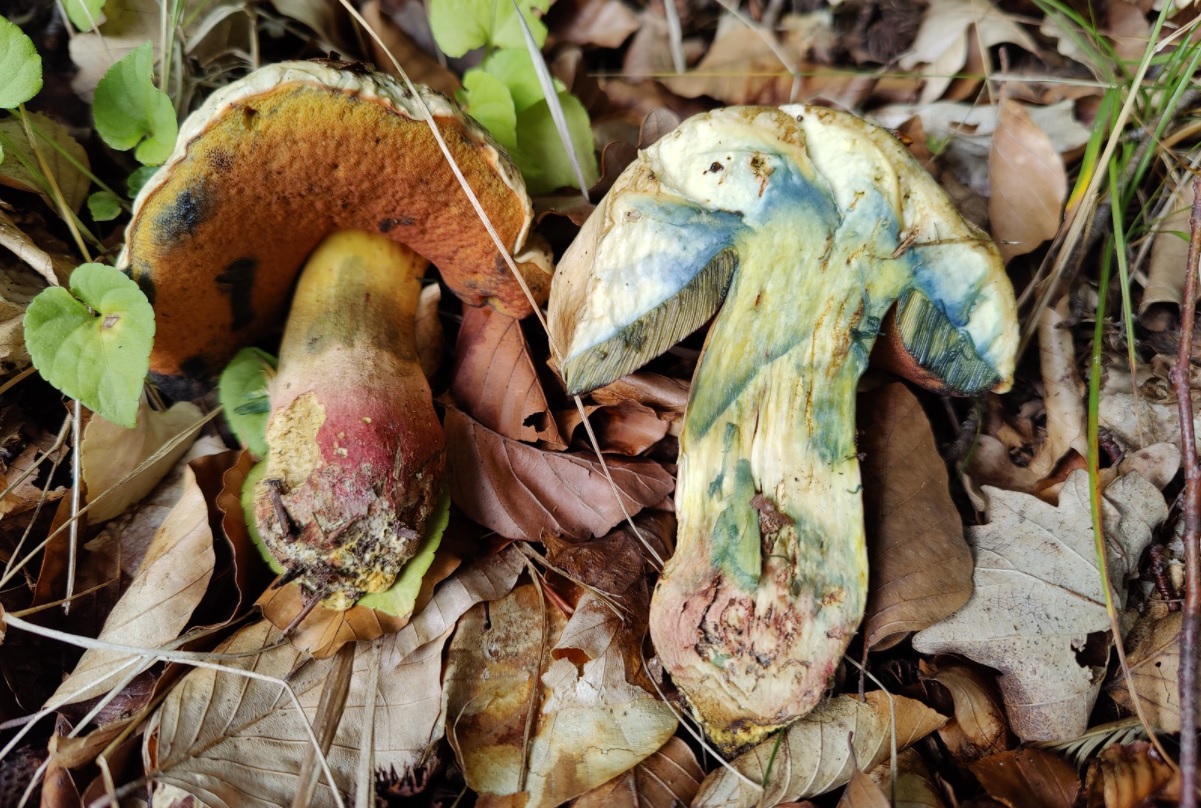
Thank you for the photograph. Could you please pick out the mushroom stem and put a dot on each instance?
(355, 447)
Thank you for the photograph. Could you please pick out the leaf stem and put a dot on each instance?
(1192, 517)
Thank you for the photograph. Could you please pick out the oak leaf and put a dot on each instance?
(1038, 596)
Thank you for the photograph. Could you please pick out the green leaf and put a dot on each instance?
(140, 176)
(398, 600)
(487, 100)
(104, 206)
(19, 64)
(130, 111)
(515, 69)
(93, 342)
(84, 14)
(252, 526)
(462, 25)
(537, 135)
(242, 391)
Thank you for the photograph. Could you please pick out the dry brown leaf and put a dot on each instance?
(978, 726)
(863, 792)
(590, 723)
(158, 604)
(1028, 182)
(109, 452)
(920, 566)
(1153, 654)
(915, 786)
(1130, 776)
(668, 778)
(521, 491)
(625, 427)
(618, 560)
(948, 30)
(484, 579)
(1038, 596)
(1028, 778)
(1169, 250)
(420, 66)
(663, 394)
(603, 23)
(51, 137)
(820, 752)
(18, 285)
(741, 68)
(232, 741)
(495, 381)
(55, 268)
(427, 330)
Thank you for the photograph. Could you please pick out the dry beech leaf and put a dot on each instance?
(158, 604)
(663, 394)
(487, 578)
(232, 741)
(741, 68)
(625, 427)
(251, 575)
(603, 23)
(820, 752)
(1028, 183)
(920, 566)
(72, 181)
(19, 284)
(495, 381)
(1130, 776)
(521, 491)
(863, 792)
(948, 30)
(1038, 597)
(668, 778)
(1153, 653)
(1028, 778)
(978, 726)
(109, 452)
(420, 67)
(591, 724)
(618, 560)
(915, 786)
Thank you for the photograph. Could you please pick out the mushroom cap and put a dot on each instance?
(271, 164)
(654, 260)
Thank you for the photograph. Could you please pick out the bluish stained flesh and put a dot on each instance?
(829, 222)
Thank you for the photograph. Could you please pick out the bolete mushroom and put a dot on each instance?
(271, 164)
(295, 155)
(816, 222)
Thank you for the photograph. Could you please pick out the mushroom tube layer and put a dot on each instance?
(273, 163)
(810, 224)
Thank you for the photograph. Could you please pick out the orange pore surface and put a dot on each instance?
(219, 244)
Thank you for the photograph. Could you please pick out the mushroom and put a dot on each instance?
(810, 224)
(271, 164)
(295, 155)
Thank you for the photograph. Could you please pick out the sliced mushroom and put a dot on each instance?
(818, 222)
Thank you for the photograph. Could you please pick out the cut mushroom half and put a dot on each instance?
(301, 154)
(810, 224)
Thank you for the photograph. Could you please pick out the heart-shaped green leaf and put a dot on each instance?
(93, 342)
(130, 111)
(243, 393)
(19, 64)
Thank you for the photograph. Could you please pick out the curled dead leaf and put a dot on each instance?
(1028, 182)
(978, 726)
(521, 491)
(1028, 778)
(920, 567)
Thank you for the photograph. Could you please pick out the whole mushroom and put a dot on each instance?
(301, 154)
(810, 224)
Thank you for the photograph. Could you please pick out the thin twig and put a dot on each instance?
(1192, 517)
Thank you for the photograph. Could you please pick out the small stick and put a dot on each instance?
(1192, 517)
